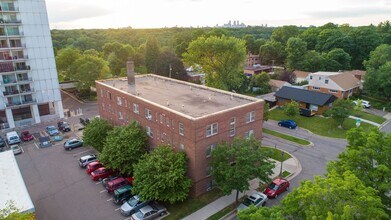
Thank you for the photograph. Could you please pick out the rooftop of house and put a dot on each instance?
(326, 73)
(258, 67)
(278, 83)
(189, 99)
(344, 80)
(306, 96)
(356, 72)
(301, 74)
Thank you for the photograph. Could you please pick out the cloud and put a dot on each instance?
(66, 11)
(350, 12)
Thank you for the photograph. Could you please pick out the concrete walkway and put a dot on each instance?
(366, 121)
(290, 165)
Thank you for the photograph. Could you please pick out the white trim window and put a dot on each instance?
(249, 133)
(181, 129)
(119, 101)
(135, 108)
(232, 127)
(182, 146)
(315, 88)
(250, 117)
(120, 116)
(333, 91)
(161, 119)
(167, 122)
(208, 170)
(148, 114)
(101, 93)
(209, 149)
(103, 106)
(212, 129)
(149, 131)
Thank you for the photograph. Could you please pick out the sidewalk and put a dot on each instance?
(366, 121)
(291, 165)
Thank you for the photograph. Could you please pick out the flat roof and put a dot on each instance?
(12, 186)
(189, 99)
(326, 73)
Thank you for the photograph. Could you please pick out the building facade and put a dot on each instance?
(189, 117)
(28, 76)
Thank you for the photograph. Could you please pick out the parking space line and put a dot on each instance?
(36, 145)
(22, 149)
(109, 199)
(82, 152)
(103, 191)
(117, 209)
(127, 218)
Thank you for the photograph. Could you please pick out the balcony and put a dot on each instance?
(7, 67)
(24, 79)
(20, 103)
(14, 58)
(11, 93)
(9, 9)
(10, 21)
(18, 92)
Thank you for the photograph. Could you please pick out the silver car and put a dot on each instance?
(257, 199)
(150, 211)
(16, 149)
(132, 205)
(85, 160)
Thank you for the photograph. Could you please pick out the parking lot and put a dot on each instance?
(59, 188)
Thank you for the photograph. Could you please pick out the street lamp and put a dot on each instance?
(282, 160)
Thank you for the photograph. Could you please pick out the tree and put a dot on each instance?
(358, 107)
(161, 175)
(282, 34)
(221, 58)
(384, 29)
(152, 54)
(287, 76)
(338, 59)
(341, 110)
(377, 58)
(334, 197)
(272, 52)
(266, 113)
(96, 132)
(329, 39)
(65, 59)
(234, 165)
(124, 147)
(368, 156)
(292, 109)
(313, 62)
(11, 212)
(296, 49)
(310, 36)
(261, 81)
(168, 57)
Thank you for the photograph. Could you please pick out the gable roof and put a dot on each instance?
(301, 74)
(356, 72)
(303, 95)
(345, 80)
(278, 83)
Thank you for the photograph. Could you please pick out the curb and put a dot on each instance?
(384, 124)
(72, 96)
(291, 142)
(298, 168)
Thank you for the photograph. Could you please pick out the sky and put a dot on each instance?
(75, 14)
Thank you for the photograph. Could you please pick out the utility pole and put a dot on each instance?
(282, 160)
(170, 71)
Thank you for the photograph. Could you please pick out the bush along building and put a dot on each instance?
(189, 117)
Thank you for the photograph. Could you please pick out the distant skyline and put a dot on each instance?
(75, 14)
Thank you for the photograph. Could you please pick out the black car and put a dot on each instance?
(63, 126)
(2, 143)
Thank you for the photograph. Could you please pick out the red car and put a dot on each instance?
(91, 167)
(101, 173)
(118, 183)
(276, 187)
(26, 136)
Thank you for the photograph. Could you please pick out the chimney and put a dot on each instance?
(130, 74)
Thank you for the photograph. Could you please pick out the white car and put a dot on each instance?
(257, 199)
(16, 149)
(364, 103)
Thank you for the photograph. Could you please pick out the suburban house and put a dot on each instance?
(301, 76)
(359, 74)
(340, 84)
(189, 117)
(278, 84)
(315, 102)
(252, 59)
(257, 69)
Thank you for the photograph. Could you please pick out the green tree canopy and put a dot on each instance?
(65, 59)
(152, 54)
(96, 132)
(161, 175)
(11, 212)
(296, 49)
(272, 52)
(377, 58)
(234, 165)
(341, 110)
(282, 34)
(124, 147)
(221, 58)
(338, 59)
(262, 82)
(310, 36)
(292, 109)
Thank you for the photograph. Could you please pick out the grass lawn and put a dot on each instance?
(276, 154)
(370, 117)
(190, 205)
(222, 212)
(286, 137)
(285, 173)
(320, 125)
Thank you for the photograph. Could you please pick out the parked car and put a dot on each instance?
(63, 126)
(73, 143)
(276, 187)
(257, 199)
(13, 138)
(16, 149)
(101, 173)
(84, 121)
(105, 181)
(118, 183)
(150, 211)
(52, 130)
(2, 142)
(133, 205)
(85, 160)
(122, 194)
(91, 167)
(364, 103)
(288, 124)
(26, 136)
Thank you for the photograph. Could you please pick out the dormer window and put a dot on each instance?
(326, 81)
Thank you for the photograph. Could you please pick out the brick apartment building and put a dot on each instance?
(187, 116)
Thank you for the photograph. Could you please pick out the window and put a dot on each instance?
(148, 114)
(315, 88)
(135, 108)
(209, 149)
(103, 106)
(208, 170)
(320, 78)
(333, 91)
(101, 93)
(149, 131)
(181, 129)
(212, 129)
(209, 185)
(326, 81)
(182, 146)
(172, 123)
(250, 117)
(310, 77)
(249, 133)
(167, 122)
(126, 103)
(109, 94)
(119, 101)
(232, 126)
(161, 119)
(120, 116)
(162, 136)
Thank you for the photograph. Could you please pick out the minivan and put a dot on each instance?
(122, 194)
(13, 138)
(117, 183)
